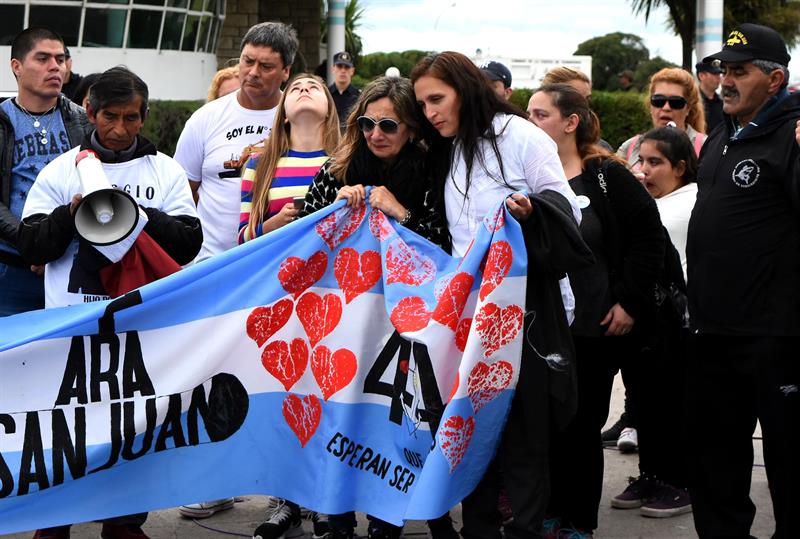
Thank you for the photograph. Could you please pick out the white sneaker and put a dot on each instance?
(628, 441)
(205, 509)
(282, 521)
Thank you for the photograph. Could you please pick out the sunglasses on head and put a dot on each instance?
(676, 102)
(387, 125)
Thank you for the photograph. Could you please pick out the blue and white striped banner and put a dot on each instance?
(341, 362)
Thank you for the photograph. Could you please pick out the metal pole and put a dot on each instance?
(708, 36)
(335, 33)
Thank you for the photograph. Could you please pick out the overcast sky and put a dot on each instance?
(527, 28)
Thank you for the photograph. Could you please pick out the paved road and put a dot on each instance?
(614, 524)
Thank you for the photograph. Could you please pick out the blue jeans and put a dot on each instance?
(21, 290)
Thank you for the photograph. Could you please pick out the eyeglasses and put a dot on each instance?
(676, 102)
(387, 125)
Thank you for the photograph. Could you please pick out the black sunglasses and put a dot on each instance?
(676, 102)
(387, 125)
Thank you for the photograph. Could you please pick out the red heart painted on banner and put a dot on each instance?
(454, 438)
(340, 225)
(410, 314)
(302, 416)
(379, 225)
(462, 333)
(333, 370)
(319, 316)
(496, 221)
(356, 274)
(296, 274)
(487, 381)
(286, 362)
(453, 390)
(453, 299)
(497, 327)
(498, 263)
(405, 265)
(264, 322)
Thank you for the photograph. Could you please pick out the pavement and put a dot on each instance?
(614, 524)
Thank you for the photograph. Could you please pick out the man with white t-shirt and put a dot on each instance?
(210, 145)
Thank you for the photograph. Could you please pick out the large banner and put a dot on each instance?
(341, 362)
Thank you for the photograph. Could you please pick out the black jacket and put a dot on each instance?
(743, 247)
(77, 126)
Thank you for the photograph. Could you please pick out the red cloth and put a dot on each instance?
(144, 263)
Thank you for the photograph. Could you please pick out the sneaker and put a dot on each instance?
(205, 509)
(611, 435)
(551, 527)
(113, 531)
(574, 533)
(628, 441)
(634, 495)
(283, 520)
(59, 532)
(321, 525)
(666, 501)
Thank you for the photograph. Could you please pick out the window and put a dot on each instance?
(12, 19)
(104, 27)
(173, 26)
(144, 28)
(190, 33)
(63, 20)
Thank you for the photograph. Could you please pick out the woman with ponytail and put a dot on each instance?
(614, 299)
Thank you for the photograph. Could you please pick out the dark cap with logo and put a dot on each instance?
(497, 71)
(343, 58)
(752, 42)
(707, 67)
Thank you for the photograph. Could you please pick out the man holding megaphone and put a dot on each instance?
(95, 207)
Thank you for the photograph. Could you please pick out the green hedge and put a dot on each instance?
(622, 114)
(165, 122)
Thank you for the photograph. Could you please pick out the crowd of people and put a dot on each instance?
(674, 260)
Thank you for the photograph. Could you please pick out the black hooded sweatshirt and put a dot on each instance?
(743, 248)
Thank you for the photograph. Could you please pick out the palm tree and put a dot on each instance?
(682, 20)
(353, 12)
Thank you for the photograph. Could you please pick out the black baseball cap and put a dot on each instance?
(752, 42)
(497, 71)
(707, 67)
(343, 58)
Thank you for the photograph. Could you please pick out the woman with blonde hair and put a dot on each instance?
(304, 134)
(225, 81)
(673, 99)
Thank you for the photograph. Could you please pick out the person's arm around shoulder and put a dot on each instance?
(322, 192)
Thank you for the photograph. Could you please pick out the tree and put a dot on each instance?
(782, 15)
(353, 12)
(611, 54)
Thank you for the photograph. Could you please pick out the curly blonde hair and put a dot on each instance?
(676, 75)
(221, 76)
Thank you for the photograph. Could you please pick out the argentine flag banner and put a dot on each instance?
(342, 362)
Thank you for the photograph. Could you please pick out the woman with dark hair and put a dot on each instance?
(668, 165)
(614, 298)
(381, 147)
(491, 154)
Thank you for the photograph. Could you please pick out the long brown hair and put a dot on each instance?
(569, 101)
(400, 93)
(277, 145)
(676, 75)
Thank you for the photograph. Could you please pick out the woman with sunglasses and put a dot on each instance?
(613, 298)
(673, 97)
(490, 154)
(381, 147)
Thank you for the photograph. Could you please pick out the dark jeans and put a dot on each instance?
(732, 382)
(21, 290)
(577, 452)
(136, 519)
(523, 460)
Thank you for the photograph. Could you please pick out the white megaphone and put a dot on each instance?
(105, 215)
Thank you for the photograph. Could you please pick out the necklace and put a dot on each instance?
(36, 123)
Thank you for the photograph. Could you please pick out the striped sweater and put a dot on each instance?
(293, 175)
